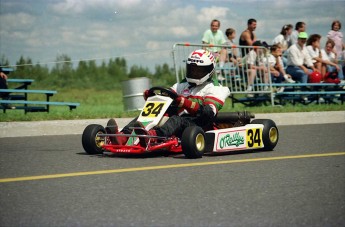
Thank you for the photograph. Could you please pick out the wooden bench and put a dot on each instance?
(25, 82)
(26, 103)
(48, 93)
(312, 96)
(257, 100)
(296, 92)
(28, 108)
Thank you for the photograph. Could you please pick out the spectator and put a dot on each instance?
(3, 85)
(313, 47)
(248, 36)
(215, 36)
(198, 102)
(278, 74)
(329, 60)
(3, 82)
(230, 33)
(337, 36)
(299, 27)
(284, 40)
(299, 62)
(284, 37)
(255, 65)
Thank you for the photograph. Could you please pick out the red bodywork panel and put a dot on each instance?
(172, 145)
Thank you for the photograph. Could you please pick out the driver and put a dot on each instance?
(200, 97)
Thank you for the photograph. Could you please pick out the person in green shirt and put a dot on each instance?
(214, 36)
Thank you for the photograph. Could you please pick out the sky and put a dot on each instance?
(143, 31)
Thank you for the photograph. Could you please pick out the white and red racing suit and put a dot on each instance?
(210, 96)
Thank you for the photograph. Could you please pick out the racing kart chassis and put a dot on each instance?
(232, 131)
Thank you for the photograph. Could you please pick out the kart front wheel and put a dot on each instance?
(92, 142)
(270, 134)
(193, 142)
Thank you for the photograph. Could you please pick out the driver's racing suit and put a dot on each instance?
(210, 96)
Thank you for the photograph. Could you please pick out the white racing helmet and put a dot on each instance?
(200, 66)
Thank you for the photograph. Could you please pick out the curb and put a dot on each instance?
(73, 127)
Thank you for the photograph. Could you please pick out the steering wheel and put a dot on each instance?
(162, 91)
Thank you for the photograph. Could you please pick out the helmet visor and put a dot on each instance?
(198, 72)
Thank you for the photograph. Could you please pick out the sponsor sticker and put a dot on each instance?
(231, 140)
(242, 139)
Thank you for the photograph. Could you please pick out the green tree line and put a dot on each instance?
(88, 74)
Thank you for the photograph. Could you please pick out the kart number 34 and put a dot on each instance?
(254, 138)
(152, 109)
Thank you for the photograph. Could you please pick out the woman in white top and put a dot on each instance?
(284, 40)
(329, 59)
(313, 48)
(284, 37)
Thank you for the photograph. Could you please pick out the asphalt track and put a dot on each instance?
(50, 181)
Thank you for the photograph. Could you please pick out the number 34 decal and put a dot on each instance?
(254, 138)
(152, 109)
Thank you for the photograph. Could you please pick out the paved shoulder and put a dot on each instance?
(64, 127)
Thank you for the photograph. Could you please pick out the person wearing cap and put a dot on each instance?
(299, 62)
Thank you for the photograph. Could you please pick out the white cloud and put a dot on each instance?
(91, 29)
(17, 21)
(207, 14)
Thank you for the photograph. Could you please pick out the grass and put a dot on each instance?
(95, 104)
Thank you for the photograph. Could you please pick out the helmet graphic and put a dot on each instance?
(315, 77)
(200, 66)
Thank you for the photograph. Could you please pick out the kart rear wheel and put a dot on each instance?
(270, 134)
(193, 142)
(92, 142)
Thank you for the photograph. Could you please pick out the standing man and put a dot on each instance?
(299, 62)
(248, 36)
(299, 27)
(214, 36)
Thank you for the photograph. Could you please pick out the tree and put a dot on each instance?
(164, 75)
(138, 71)
(62, 72)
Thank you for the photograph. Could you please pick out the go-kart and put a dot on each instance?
(232, 131)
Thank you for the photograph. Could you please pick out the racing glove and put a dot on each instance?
(190, 106)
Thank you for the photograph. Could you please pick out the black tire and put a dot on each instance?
(92, 143)
(270, 133)
(193, 142)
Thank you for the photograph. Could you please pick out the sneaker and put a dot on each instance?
(305, 98)
(288, 79)
(8, 106)
(281, 89)
(321, 100)
(249, 89)
(112, 128)
(220, 77)
(140, 130)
